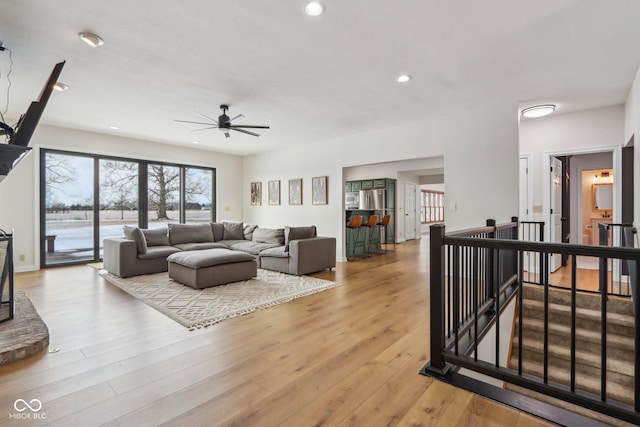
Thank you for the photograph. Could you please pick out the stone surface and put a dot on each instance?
(24, 335)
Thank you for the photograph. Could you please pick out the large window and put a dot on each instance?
(432, 206)
(87, 198)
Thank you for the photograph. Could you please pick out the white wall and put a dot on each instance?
(19, 192)
(479, 147)
(597, 130)
(631, 128)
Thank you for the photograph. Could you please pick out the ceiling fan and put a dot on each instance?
(224, 123)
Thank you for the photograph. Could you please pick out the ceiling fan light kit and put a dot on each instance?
(224, 123)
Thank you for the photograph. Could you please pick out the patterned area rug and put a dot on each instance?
(196, 308)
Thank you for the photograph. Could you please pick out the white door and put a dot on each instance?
(556, 211)
(410, 211)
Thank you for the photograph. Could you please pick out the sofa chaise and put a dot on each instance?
(291, 250)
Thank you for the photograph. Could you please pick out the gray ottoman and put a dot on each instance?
(210, 267)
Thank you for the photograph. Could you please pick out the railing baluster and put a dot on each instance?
(475, 303)
(456, 296)
(573, 322)
(545, 355)
(603, 340)
(497, 309)
(520, 310)
(636, 322)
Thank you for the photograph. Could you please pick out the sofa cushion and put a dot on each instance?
(134, 233)
(296, 233)
(159, 252)
(199, 246)
(251, 247)
(208, 258)
(277, 252)
(218, 231)
(156, 236)
(233, 230)
(247, 231)
(269, 235)
(190, 233)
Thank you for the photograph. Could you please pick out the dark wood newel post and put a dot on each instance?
(437, 365)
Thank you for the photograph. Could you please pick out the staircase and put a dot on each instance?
(620, 332)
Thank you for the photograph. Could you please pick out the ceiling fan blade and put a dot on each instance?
(250, 126)
(210, 127)
(239, 115)
(244, 131)
(197, 123)
(206, 117)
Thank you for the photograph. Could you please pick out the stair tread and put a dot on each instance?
(613, 339)
(614, 364)
(582, 313)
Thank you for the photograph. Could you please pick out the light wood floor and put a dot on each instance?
(347, 356)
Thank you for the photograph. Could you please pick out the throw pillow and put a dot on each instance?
(190, 233)
(134, 233)
(269, 235)
(296, 233)
(233, 230)
(156, 236)
(218, 231)
(248, 230)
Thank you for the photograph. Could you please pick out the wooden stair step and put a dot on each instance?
(586, 382)
(584, 356)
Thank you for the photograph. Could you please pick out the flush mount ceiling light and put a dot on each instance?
(403, 78)
(114, 127)
(538, 111)
(91, 39)
(60, 87)
(314, 8)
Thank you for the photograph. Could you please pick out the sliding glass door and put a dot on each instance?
(86, 198)
(68, 232)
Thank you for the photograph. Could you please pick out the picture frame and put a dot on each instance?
(256, 193)
(319, 190)
(295, 191)
(274, 192)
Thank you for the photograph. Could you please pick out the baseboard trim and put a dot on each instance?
(24, 268)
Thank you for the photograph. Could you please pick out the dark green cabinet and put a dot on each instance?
(379, 183)
(347, 187)
(367, 185)
(356, 186)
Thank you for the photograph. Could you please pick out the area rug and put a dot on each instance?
(25, 334)
(197, 308)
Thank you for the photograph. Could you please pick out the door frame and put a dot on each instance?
(616, 152)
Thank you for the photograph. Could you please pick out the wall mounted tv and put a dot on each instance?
(15, 150)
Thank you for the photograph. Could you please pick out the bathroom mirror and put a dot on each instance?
(602, 197)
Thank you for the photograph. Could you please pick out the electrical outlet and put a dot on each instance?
(22, 257)
(227, 208)
(537, 208)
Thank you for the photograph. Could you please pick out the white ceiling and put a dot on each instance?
(310, 78)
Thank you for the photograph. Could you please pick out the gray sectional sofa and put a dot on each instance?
(292, 250)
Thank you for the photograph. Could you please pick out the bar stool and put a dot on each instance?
(371, 224)
(354, 228)
(383, 224)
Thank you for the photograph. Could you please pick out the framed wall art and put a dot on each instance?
(274, 192)
(319, 190)
(256, 193)
(295, 191)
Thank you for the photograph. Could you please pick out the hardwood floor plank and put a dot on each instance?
(346, 356)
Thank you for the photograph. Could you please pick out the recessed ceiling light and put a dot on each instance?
(60, 87)
(538, 111)
(114, 127)
(196, 142)
(403, 78)
(91, 39)
(314, 8)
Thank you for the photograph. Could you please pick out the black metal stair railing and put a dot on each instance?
(474, 273)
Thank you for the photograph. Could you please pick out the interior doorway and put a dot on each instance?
(410, 210)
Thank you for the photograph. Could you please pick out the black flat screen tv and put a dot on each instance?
(29, 120)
